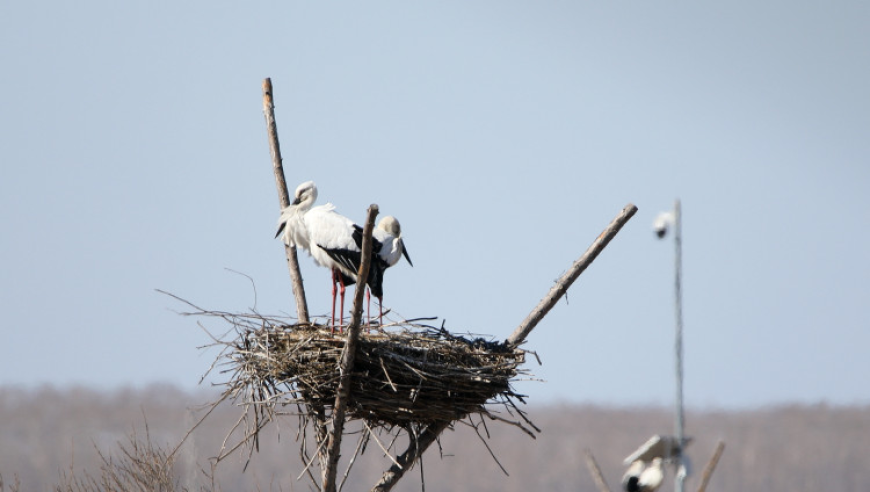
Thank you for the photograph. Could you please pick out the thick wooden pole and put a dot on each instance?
(557, 291)
(284, 197)
(333, 447)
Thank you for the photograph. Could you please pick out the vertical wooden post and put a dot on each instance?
(333, 447)
(284, 197)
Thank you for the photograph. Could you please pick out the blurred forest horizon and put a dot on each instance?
(49, 434)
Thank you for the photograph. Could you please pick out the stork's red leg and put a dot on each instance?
(341, 316)
(334, 281)
(369, 309)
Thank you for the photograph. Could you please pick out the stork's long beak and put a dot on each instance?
(405, 251)
(281, 227)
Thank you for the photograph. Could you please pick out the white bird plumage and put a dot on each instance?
(651, 478)
(390, 248)
(291, 221)
(663, 222)
(335, 242)
(326, 235)
(645, 465)
(389, 234)
(632, 475)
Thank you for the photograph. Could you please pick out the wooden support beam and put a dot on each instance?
(711, 466)
(284, 197)
(561, 287)
(333, 448)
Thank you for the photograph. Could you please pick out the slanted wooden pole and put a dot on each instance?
(711, 466)
(557, 291)
(333, 447)
(597, 476)
(284, 197)
(418, 446)
(406, 460)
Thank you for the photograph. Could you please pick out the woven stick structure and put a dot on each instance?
(415, 379)
(405, 381)
(416, 375)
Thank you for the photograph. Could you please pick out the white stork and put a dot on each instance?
(335, 242)
(327, 236)
(387, 238)
(291, 223)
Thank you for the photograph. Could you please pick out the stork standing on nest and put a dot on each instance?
(390, 248)
(326, 235)
(335, 242)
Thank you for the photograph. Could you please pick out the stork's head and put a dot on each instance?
(391, 226)
(305, 193)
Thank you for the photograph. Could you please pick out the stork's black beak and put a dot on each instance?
(405, 252)
(281, 227)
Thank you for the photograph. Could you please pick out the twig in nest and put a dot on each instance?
(417, 378)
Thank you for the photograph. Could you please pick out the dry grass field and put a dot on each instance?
(51, 439)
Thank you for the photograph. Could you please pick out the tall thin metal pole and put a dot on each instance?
(678, 345)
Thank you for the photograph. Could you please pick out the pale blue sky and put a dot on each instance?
(504, 135)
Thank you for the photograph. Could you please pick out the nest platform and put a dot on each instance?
(412, 374)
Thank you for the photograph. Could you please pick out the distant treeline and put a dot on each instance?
(47, 432)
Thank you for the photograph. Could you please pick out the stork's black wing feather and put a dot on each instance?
(281, 227)
(351, 260)
(347, 258)
(376, 276)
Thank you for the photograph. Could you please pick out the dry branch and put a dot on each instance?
(595, 470)
(345, 368)
(711, 465)
(557, 291)
(415, 379)
(284, 197)
(415, 450)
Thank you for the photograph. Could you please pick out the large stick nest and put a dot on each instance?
(410, 378)
(417, 374)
